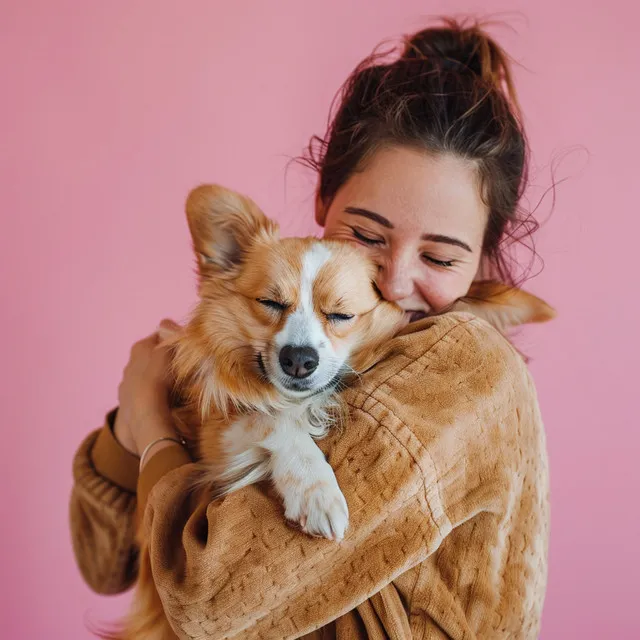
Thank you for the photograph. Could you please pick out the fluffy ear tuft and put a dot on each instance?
(223, 225)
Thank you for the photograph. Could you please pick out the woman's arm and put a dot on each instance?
(432, 437)
(106, 487)
(102, 511)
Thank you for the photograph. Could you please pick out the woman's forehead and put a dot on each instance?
(416, 191)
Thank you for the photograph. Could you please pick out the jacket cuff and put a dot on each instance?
(111, 460)
(159, 465)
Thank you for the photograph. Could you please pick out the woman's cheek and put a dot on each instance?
(442, 288)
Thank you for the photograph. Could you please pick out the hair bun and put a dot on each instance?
(463, 47)
(444, 45)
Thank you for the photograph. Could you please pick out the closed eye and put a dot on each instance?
(365, 238)
(440, 263)
(339, 317)
(273, 304)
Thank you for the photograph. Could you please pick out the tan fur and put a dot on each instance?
(504, 307)
(241, 259)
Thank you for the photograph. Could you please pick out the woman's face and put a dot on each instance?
(421, 219)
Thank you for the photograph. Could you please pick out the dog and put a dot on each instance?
(280, 327)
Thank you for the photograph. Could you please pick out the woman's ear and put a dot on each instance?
(321, 211)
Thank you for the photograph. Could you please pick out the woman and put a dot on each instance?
(443, 462)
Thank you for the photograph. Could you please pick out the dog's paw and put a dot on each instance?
(318, 508)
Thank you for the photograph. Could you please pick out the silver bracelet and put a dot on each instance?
(181, 441)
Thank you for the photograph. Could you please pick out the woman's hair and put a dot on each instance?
(449, 91)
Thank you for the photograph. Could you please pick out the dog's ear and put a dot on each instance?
(223, 225)
(502, 306)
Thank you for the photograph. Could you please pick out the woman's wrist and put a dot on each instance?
(152, 426)
(122, 434)
(156, 446)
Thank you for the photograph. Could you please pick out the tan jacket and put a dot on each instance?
(444, 468)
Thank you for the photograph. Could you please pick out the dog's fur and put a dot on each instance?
(244, 417)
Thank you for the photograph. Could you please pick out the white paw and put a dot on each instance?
(319, 508)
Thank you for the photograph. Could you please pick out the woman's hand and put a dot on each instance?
(144, 414)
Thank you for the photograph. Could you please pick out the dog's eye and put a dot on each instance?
(273, 304)
(339, 317)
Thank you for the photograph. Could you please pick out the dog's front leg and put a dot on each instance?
(306, 482)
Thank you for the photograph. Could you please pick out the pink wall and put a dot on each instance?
(111, 111)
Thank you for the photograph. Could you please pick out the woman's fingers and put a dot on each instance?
(167, 329)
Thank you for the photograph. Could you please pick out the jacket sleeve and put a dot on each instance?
(421, 454)
(102, 509)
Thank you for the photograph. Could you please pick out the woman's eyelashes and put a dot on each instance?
(372, 240)
(366, 238)
(439, 263)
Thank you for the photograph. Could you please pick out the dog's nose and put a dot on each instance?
(299, 362)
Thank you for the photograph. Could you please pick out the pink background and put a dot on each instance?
(111, 111)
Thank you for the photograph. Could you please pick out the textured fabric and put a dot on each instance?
(112, 460)
(157, 466)
(103, 514)
(443, 464)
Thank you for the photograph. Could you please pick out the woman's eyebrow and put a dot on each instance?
(429, 237)
(365, 213)
(434, 237)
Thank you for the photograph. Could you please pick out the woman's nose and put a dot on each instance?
(395, 281)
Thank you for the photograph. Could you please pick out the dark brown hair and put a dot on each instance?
(449, 91)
